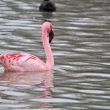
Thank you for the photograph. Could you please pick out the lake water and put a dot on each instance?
(81, 47)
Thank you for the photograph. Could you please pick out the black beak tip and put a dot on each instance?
(50, 41)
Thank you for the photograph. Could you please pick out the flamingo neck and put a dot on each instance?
(48, 51)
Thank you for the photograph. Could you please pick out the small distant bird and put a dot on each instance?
(47, 6)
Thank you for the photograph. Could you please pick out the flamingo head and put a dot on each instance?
(47, 26)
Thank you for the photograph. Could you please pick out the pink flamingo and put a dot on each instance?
(19, 62)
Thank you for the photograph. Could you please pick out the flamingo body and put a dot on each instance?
(23, 62)
(28, 62)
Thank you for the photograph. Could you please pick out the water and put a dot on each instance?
(81, 47)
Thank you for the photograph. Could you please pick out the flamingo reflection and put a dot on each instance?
(32, 78)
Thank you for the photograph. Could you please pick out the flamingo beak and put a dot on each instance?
(51, 36)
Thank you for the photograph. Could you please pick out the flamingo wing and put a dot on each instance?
(23, 62)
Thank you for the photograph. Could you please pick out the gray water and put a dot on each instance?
(81, 47)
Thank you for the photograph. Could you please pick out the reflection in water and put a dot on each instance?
(47, 15)
(22, 81)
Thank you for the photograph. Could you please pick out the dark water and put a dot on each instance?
(81, 47)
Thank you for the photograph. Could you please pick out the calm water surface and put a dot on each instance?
(81, 47)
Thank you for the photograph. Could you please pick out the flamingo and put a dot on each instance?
(20, 62)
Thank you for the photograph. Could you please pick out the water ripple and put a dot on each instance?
(80, 48)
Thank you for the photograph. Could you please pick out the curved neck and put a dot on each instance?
(48, 51)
